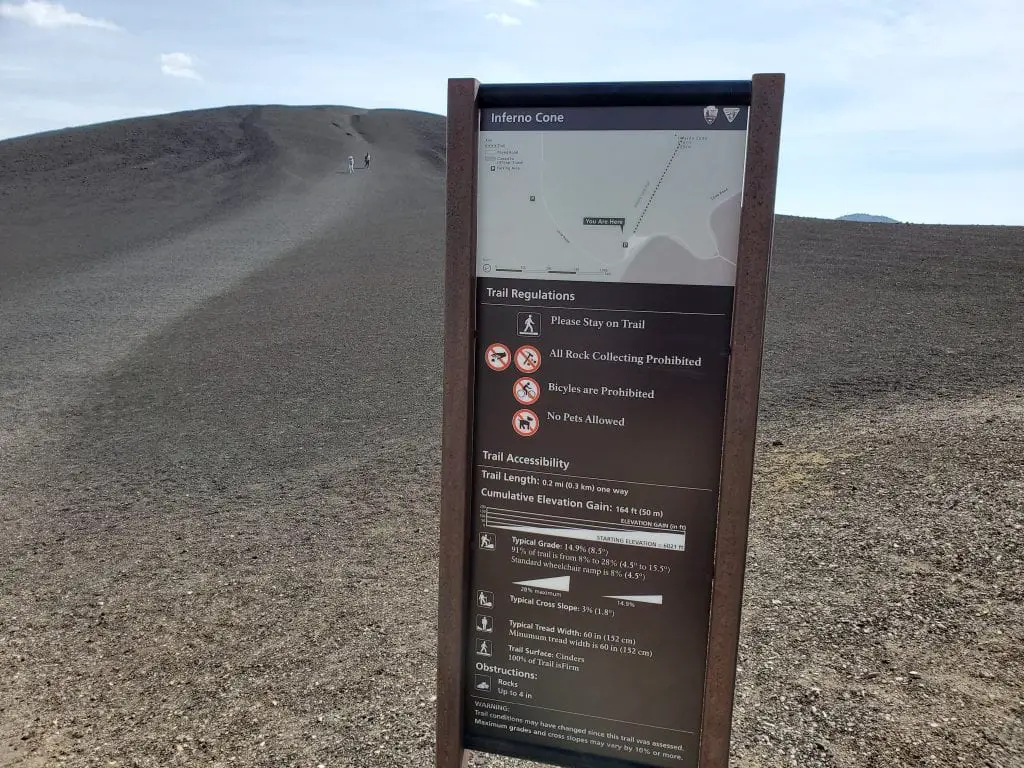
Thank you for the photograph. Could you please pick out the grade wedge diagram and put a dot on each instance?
(672, 538)
(555, 583)
(649, 599)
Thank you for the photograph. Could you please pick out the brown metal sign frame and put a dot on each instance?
(742, 392)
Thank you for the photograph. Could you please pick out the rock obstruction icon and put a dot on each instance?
(525, 422)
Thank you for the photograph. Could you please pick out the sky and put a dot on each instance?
(912, 109)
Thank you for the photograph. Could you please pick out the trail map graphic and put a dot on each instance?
(638, 206)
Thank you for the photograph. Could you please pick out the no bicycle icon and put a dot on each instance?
(526, 390)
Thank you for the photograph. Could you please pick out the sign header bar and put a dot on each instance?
(648, 94)
(710, 117)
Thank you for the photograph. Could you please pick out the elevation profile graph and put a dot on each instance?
(653, 537)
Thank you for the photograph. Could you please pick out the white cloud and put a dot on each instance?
(504, 19)
(178, 65)
(527, 3)
(40, 13)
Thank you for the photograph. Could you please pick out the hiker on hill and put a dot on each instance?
(366, 160)
(351, 164)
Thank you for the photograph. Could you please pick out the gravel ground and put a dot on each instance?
(219, 465)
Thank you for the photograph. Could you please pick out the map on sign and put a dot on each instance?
(637, 206)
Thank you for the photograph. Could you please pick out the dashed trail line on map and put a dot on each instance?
(661, 178)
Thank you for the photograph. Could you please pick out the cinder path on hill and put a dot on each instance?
(63, 329)
(65, 317)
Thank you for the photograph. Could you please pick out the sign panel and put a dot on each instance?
(606, 252)
(604, 318)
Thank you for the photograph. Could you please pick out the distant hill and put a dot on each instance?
(868, 217)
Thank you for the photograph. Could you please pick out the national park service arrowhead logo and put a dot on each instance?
(710, 114)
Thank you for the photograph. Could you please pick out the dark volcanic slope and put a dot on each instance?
(85, 193)
(869, 310)
(113, 232)
(219, 406)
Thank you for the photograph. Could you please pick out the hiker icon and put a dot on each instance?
(497, 357)
(527, 359)
(528, 323)
(526, 391)
(525, 422)
(484, 623)
(487, 541)
(484, 647)
(485, 599)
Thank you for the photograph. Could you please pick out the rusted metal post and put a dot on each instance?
(456, 434)
(757, 222)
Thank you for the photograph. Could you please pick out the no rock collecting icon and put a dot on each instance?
(527, 359)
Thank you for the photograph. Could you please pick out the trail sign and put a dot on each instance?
(593, 543)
